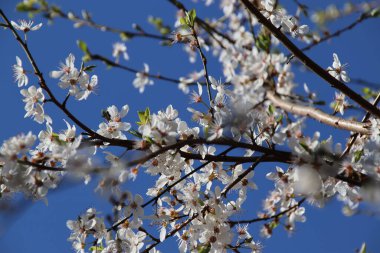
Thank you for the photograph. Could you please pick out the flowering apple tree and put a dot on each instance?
(203, 167)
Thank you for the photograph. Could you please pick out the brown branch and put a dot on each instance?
(234, 159)
(170, 234)
(93, 24)
(109, 62)
(337, 33)
(282, 155)
(309, 62)
(204, 62)
(40, 167)
(168, 188)
(275, 216)
(241, 176)
(319, 115)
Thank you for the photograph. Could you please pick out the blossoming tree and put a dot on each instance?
(251, 116)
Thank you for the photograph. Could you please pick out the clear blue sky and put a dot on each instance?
(40, 228)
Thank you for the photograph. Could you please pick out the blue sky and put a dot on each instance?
(40, 228)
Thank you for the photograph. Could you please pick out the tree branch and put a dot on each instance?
(44, 86)
(319, 115)
(309, 62)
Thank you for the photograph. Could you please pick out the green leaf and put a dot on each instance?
(263, 41)
(135, 133)
(204, 248)
(157, 22)
(279, 118)
(305, 147)
(273, 225)
(89, 68)
(23, 7)
(96, 248)
(182, 21)
(144, 117)
(124, 36)
(164, 30)
(357, 155)
(83, 46)
(192, 15)
(271, 109)
(363, 248)
(375, 12)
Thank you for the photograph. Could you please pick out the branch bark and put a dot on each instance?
(319, 115)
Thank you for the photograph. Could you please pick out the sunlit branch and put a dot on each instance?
(354, 126)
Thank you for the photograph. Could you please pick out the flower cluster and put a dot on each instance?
(78, 82)
(203, 171)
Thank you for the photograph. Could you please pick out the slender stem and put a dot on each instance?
(93, 24)
(204, 62)
(109, 62)
(337, 33)
(241, 176)
(275, 216)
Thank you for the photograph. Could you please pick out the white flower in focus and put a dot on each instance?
(142, 79)
(71, 81)
(65, 68)
(114, 127)
(87, 87)
(32, 95)
(69, 134)
(275, 16)
(26, 26)
(120, 48)
(19, 73)
(34, 98)
(337, 70)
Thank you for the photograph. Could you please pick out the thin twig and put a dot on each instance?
(275, 216)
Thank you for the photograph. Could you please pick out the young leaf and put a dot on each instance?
(83, 46)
